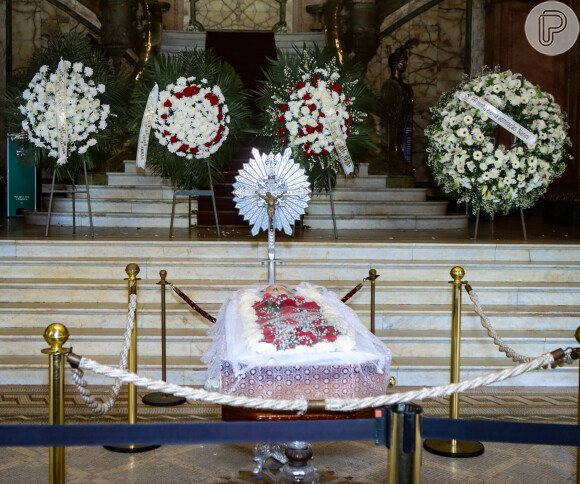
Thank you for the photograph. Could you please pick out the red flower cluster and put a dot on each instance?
(189, 91)
(290, 321)
(283, 108)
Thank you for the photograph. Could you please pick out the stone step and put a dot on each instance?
(73, 265)
(399, 255)
(408, 371)
(105, 206)
(104, 219)
(376, 208)
(388, 222)
(387, 317)
(136, 179)
(129, 192)
(205, 291)
(194, 342)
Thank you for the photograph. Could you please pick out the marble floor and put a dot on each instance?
(338, 462)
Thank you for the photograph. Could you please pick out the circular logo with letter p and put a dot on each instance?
(552, 28)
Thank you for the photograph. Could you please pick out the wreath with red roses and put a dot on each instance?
(201, 112)
(300, 89)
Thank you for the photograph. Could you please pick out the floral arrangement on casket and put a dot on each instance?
(469, 164)
(292, 102)
(301, 322)
(201, 111)
(91, 97)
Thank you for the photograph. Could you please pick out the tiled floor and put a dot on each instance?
(338, 462)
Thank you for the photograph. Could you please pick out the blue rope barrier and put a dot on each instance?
(254, 432)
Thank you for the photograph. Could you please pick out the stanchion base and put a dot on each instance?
(130, 449)
(160, 399)
(453, 448)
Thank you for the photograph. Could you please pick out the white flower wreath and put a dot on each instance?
(192, 118)
(85, 115)
(467, 161)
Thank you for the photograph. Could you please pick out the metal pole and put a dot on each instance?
(332, 208)
(405, 424)
(132, 270)
(160, 399)
(454, 448)
(56, 335)
(372, 277)
(88, 198)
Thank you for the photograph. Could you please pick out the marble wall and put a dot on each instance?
(436, 62)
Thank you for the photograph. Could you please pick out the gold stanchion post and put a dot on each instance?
(453, 447)
(372, 277)
(132, 270)
(404, 442)
(56, 335)
(160, 399)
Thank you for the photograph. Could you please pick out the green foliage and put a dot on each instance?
(165, 70)
(281, 87)
(72, 47)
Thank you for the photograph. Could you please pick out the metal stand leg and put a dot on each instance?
(298, 468)
(88, 199)
(172, 215)
(189, 215)
(50, 204)
(74, 205)
(523, 223)
(217, 224)
(476, 225)
(332, 208)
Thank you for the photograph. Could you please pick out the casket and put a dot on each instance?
(309, 345)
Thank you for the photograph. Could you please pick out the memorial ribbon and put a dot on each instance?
(146, 123)
(61, 124)
(500, 118)
(337, 137)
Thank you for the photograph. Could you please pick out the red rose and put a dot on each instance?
(310, 305)
(322, 115)
(325, 152)
(178, 95)
(310, 129)
(312, 107)
(306, 338)
(166, 133)
(319, 127)
(283, 140)
(346, 100)
(307, 97)
(167, 104)
(164, 116)
(187, 92)
(218, 138)
(281, 129)
(269, 338)
(301, 84)
(173, 139)
(329, 337)
(283, 107)
(289, 311)
(280, 118)
(184, 148)
(220, 117)
(336, 87)
(349, 121)
(347, 132)
(288, 302)
(315, 80)
(194, 90)
(208, 144)
(193, 151)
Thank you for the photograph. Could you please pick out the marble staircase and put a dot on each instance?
(529, 291)
(135, 198)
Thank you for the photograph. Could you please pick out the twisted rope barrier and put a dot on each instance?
(301, 405)
(78, 375)
(492, 333)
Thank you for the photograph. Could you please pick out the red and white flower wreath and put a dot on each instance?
(302, 120)
(192, 118)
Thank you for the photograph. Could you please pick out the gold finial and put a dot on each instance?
(457, 273)
(163, 274)
(132, 270)
(577, 334)
(56, 335)
(392, 381)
